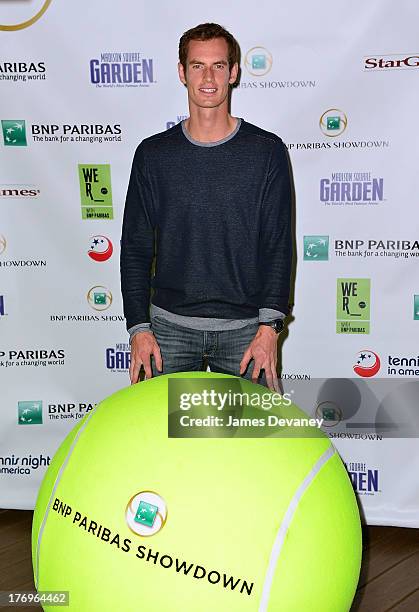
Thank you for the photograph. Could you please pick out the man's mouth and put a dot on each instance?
(208, 90)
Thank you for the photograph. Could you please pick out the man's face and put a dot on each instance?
(207, 75)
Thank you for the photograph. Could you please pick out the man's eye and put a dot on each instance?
(219, 66)
(195, 66)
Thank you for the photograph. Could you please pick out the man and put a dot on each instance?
(211, 196)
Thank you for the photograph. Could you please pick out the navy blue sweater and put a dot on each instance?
(218, 218)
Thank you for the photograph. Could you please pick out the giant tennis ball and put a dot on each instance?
(130, 519)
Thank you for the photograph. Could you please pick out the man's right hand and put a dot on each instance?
(143, 346)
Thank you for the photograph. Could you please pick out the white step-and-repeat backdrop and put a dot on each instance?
(82, 84)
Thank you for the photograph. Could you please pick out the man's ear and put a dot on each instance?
(234, 73)
(181, 72)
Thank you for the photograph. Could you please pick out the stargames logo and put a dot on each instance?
(146, 513)
(333, 122)
(316, 248)
(14, 132)
(388, 62)
(21, 16)
(95, 191)
(353, 306)
(258, 61)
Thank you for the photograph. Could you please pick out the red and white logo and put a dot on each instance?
(367, 364)
(101, 248)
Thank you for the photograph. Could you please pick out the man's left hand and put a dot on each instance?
(263, 350)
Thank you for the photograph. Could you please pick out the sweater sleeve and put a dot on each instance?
(137, 243)
(275, 237)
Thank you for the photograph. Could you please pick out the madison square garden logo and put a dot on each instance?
(118, 358)
(146, 513)
(95, 191)
(353, 306)
(364, 480)
(99, 298)
(316, 248)
(333, 122)
(127, 69)
(258, 61)
(14, 132)
(29, 413)
(352, 189)
(2, 312)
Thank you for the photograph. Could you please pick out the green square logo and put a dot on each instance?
(14, 132)
(333, 123)
(29, 413)
(146, 514)
(329, 414)
(95, 191)
(353, 306)
(259, 62)
(99, 298)
(316, 248)
(416, 308)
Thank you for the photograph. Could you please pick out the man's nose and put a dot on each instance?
(209, 74)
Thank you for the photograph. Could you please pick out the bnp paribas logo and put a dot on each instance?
(29, 413)
(99, 297)
(353, 306)
(416, 307)
(316, 248)
(333, 122)
(95, 191)
(258, 61)
(146, 513)
(14, 132)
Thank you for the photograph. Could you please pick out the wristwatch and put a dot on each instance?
(277, 325)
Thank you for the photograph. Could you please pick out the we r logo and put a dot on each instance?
(95, 189)
(353, 305)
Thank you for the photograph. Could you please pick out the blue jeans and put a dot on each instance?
(184, 349)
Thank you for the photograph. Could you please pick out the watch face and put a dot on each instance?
(278, 325)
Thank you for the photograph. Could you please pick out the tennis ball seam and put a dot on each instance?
(56, 483)
(286, 522)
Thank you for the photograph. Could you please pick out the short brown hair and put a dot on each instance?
(208, 31)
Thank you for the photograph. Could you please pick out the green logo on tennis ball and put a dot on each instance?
(146, 514)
